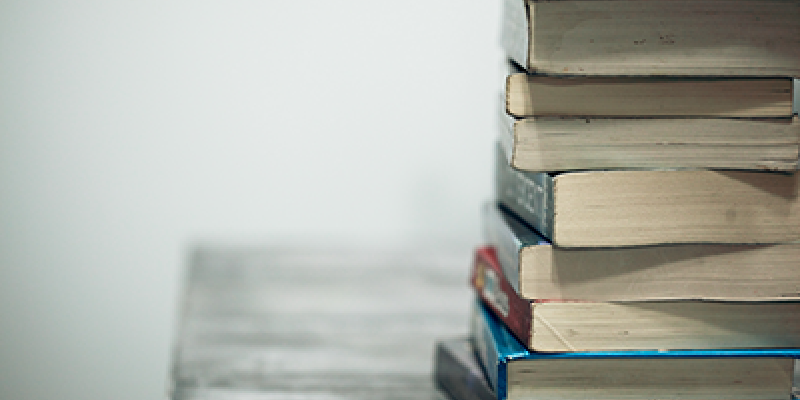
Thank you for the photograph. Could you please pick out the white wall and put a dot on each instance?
(130, 130)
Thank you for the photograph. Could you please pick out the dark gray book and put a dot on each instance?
(615, 208)
(456, 371)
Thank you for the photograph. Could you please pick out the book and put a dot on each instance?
(530, 95)
(647, 37)
(536, 269)
(564, 325)
(517, 373)
(541, 144)
(632, 208)
(457, 373)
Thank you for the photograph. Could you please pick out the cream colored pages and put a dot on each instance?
(676, 37)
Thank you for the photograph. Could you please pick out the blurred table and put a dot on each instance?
(316, 324)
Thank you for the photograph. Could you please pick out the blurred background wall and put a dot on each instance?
(130, 130)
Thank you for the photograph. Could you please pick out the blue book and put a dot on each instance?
(516, 373)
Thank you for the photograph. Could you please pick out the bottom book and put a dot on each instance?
(457, 373)
(513, 372)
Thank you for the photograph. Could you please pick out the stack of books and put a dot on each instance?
(644, 241)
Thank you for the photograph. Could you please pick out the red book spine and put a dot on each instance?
(494, 290)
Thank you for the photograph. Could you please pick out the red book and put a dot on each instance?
(563, 325)
(492, 287)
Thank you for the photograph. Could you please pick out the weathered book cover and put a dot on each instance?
(491, 285)
(528, 194)
(687, 374)
(457, 373)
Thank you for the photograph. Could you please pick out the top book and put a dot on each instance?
(654, 37)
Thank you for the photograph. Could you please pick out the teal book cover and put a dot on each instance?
(496, 347)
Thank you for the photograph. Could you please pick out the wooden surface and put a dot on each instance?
(300, 324)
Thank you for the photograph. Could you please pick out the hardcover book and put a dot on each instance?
(516, 373)
(536, 269)
(457, 373)
(633, 208)
(654, 37)
(563, 325)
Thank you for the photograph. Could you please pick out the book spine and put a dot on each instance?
(515, 34)
(457, 373)
(529, 195)
(487, 352)
(500, 235)
(493, 288)
(506, 132)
